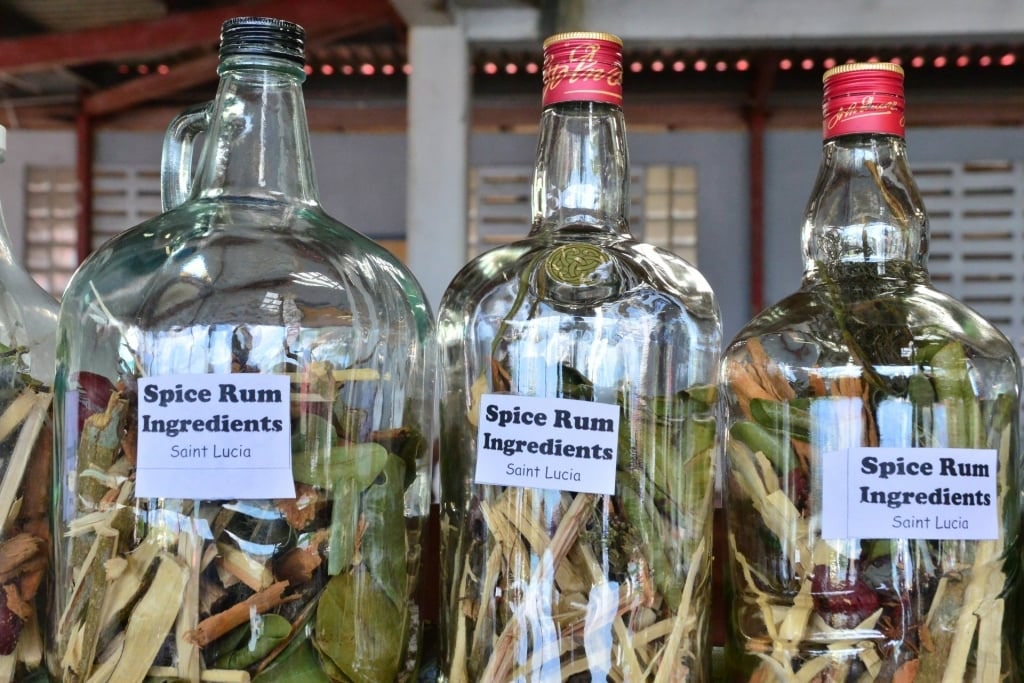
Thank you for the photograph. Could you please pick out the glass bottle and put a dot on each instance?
(244, 389)
(578, 424)
(28, 332)
(871, 481)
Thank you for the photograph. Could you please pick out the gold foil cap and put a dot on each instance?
(862, 66)
(581, 35)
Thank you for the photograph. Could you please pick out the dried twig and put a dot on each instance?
(500, 663)
(684, 619)
(215, 626)
(150, 622)
(32, 409)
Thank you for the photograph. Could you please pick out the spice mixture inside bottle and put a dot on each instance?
(28, 333)
(871, 479)
(578, 426)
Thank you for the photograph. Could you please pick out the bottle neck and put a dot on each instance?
(582, 175)
(258, 140)
(865, 212)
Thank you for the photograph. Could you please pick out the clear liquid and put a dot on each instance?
(584, 317)
(900, 366)
(215, 288)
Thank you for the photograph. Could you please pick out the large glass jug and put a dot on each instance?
(244, 390)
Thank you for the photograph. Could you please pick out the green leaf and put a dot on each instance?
(300, 665)
(412, 450)
(384, 545)
(653, 535)
(920, 391)
(311, 443)
(360, 462)
(227, 643)
(698, 437)
(674, 445)
(706, 395)
(954, 388)
(574, 384)
(782, 417)
(952, 373)
(360, 629)
(344, 521)
(773, 445)
(275, 628)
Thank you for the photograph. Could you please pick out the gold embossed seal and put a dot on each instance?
(575, 264)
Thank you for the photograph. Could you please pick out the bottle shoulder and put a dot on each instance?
(215, 251)
(888, 324)
(613, 266)
(28, 325)
(577, 275)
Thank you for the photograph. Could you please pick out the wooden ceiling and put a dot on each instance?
(109, 71)
(134, 64)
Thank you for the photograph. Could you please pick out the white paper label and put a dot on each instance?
(214, 437)
(921, 493)
(548, 443)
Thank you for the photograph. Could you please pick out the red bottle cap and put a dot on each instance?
(863, 98)
(583, 66)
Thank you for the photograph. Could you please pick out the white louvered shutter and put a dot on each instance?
(500, 210)
(51, 225)
(976, 254)
(123, 196)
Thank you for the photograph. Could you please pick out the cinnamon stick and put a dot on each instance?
(215, 626)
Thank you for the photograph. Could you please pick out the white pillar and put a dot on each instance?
(438, 138)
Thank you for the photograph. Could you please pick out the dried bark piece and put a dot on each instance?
(244, 567)
(302, 509)
(130, 442)
(31, 409)
(30, 644)
(30, 581)
(98, 448)
(189, 658)
(83, 614)
(15, 603)
(501, 379)
(151, 621)
(33, 517)
(213, 627)
(942, 616)
(745, 384)
(16, 551)
(684, 628)
(768, 372)
(16, 412)
(975, 594)
(298, 565)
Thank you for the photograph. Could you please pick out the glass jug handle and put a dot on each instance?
(176, 163)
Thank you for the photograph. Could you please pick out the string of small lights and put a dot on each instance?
(638, 65)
